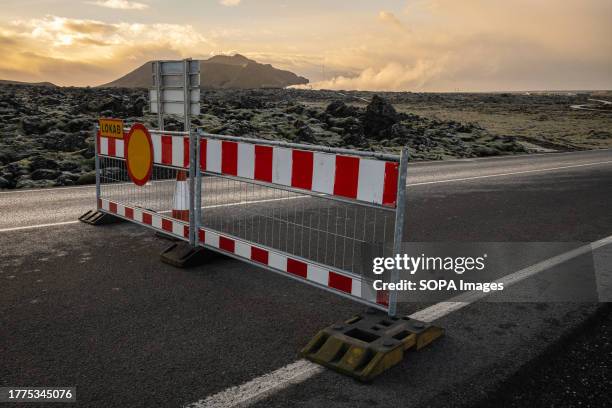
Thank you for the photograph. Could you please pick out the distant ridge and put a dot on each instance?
(9, 82)
(221, 71)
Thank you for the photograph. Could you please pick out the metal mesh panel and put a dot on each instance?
(156, 195)
(323, 230)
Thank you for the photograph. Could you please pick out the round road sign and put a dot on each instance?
(139, 154)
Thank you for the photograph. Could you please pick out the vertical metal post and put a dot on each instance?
(198, 190)
(192, 149)
(158, 87)
(400, 210)
(97, 166)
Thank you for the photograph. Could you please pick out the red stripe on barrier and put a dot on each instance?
(126, 138)
(186, 152)
(227, 244)
(112, 207)
(298, 268)
(263, 163)
(347, 176)
(129, 213)
(340, 282)
(301, 173)
(259, 255)
(166, 225)
(229, 158)
(166, 147)
(186, 231)
(98, 141)
(147, 218)
(112, 151)
(203, 154)
(382, 297)
(390, 185)
(201, 235)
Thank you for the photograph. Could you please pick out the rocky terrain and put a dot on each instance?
(46, 133)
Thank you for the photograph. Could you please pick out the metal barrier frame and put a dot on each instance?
(197, 235)
(399, 209)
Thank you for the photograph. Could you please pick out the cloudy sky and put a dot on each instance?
(416, 45)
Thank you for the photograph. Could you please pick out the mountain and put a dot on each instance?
(221, 71)
(8, 82)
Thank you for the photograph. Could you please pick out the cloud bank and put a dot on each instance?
(474, 45)
(229, 3)
(89, 52)
(425, 45)
(120, 4)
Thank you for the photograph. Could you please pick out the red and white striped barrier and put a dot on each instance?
(340, 282)
(369, 180)
(168, 150)
(351, 177)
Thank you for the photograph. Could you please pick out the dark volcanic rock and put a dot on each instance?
(34, 125)
(41, 162)
(339, 109)
(44, 174)
(50, 129)
(304, 134)
(380, 115)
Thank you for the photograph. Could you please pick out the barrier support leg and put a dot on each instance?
(367, 345)
(190, 254)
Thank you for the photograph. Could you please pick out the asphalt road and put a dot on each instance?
(93, 307)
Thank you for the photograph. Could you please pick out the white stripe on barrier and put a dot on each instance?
(213, 156)
(369, 186)
(277, 261)
(318, 275)
(212, 239)
(178, 151)
(103, 145)
(324, 166)
(178, 229)
(243, 250)
(157, 147)
(156, 221)
(246, 160)
(281, 166)
(356, 289)
(138, 215)
(121, 210)
(120, 148)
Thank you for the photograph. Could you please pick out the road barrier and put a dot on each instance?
(156, 202)
(307, 212)
(311, 213)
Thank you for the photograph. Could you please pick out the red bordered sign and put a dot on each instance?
(139, 154)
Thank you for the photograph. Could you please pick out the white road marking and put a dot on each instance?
(508, 174)
(260, 387)
(37, 190)
(27, 227)
(441, 309)
(301, 370)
